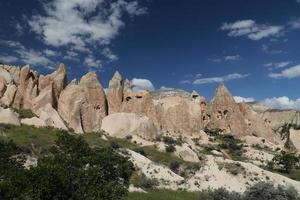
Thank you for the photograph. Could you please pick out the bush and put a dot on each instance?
(142, 181)
(266, 191)
(25, 113)
(72, 170)
(219, 194)
(174, 166)
(286, 162)
(170, 148)
(140, 151)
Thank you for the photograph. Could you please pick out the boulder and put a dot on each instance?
(177, 115)
(7, 116)
(6, 75)
(83, 105)
(2, 86)
(50, 116)
(185, 153)
(115, 93)
(44, 98)
(121, 125)
(27, 89)
(37, 122)
(57, 80)
(9, 95)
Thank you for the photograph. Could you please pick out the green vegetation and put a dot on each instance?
(233, 146)
(25, 113)
(71, 170)
(163, 195)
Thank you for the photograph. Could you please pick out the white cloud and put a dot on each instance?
(289, 73)
(92, 62)
(139, 84)
(226, 78)
(239, 99)
(278, 65)
(295, 23)
(109, 54)
(50, 52)
(282, 103)
(251, 30)
(71, 55)
(6, 59)
(215, 60)
(265, 48)
(26, 55)
(232, 58)
(82, 22)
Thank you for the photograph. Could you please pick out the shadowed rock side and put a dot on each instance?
(115, 93)
(83, 105)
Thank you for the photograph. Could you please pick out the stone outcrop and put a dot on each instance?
(83, 105)
(57, 80)
(8, 95)
(51, 117)
(124, 124)
(177, 115)
(7, 116)
(34, 121)
(2, 86)
(231, 118)
(27, 89)
(115, 93)
(127, 91)
(140, 103)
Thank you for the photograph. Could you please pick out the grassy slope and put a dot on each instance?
(163, 195)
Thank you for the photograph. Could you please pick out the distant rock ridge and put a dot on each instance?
(81, 106)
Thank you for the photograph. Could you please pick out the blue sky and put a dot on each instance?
(251, 45)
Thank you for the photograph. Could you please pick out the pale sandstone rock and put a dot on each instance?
(58, 81)
(236, 119)
(35, 121)
(295, 138)
(2, 86)
(127, 91)
(14, 72)
(9, 95)
(7, 116)
(178, 115)
(6, 75)
(140, 103)
(186, 154)
(121, 125)
(83, 105)
(115, 93)
(44, 98)
(50, 116)
(27, 89)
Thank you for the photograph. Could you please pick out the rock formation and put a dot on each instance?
(7, 116)
(27, 89)
(83, 105)
(179, 116)
(126, 124)
(115, 93)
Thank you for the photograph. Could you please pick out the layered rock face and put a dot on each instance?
(115, 93)
(83, 105)
(179, 116)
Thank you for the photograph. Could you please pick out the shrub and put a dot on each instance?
(114, 145)
(170, 148)
(219, 194)
(174, 166)
(71, 171)
(286, 161)
(25, 113)
(142, 181)
(140, 151)
(266, 191)
(128, 137)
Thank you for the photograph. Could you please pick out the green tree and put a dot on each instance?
(73, 170)
(286, 161)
